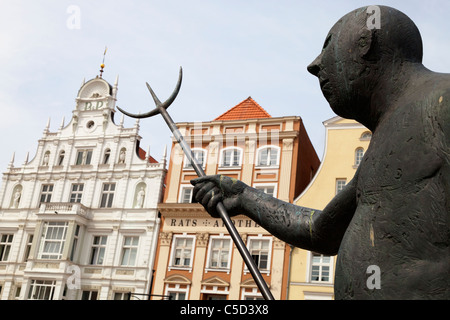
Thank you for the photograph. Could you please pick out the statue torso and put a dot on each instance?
(401, 224)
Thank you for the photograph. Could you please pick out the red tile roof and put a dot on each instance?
(247, 109)
(142, 154)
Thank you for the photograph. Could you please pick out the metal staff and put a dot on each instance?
(161, 108)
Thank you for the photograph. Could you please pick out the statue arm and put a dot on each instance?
(307, 228)
(316, 230)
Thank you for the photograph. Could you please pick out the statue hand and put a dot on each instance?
(210, 190)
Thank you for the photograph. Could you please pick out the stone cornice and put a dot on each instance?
(181, 210)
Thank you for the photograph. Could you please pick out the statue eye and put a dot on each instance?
(327, 41)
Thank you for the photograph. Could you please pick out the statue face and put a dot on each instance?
(344, 75)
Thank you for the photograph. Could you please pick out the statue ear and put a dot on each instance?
(366, 43)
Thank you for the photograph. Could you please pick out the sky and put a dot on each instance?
(229, 50)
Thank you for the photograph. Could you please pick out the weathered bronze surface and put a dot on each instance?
(394, 215)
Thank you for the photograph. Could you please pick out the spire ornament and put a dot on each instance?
(102, 66)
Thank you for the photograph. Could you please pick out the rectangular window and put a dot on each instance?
(107, 195)
(75, 242)
(121, 296)
(186, 194)
(259, 250)
(176, 295)
(77, 192)
(129, 251)
(270, 190)
(89, 295)
(98, 250)
(84, 157)
(359, 154)
(219, 253)
(320, 267)
(268, 157)
(17, 294)
(340, 184)
(28, 247)
(251, 296)
(79, 158)
(41, 290)
(54, 237)
(199, 156)
(46, 193)
(5, 246)
(182, 252)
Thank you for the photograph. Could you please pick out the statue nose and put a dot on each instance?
(314, 68)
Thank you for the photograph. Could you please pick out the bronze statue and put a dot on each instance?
(394, 214)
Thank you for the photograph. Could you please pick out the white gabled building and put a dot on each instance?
(80, 219)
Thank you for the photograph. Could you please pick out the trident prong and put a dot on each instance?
(161, 108)
(158, 103)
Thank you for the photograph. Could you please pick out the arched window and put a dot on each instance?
(106, 156)
(359, 154)
(231, 157)
(366, 136)
(200, 157)
(62, 153)
(268, 156)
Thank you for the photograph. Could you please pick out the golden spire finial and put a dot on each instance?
(103, 62)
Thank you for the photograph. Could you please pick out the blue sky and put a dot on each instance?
(229, 50)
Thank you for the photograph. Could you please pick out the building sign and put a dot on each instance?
(209, 223)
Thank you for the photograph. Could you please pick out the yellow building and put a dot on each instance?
(311, 275)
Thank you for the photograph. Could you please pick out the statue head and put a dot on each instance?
(357, 55)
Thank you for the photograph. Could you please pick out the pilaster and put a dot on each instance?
(199, 264)
(165, 240)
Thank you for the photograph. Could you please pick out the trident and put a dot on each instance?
(161, 108)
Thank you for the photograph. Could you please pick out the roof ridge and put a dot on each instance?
(246, 113)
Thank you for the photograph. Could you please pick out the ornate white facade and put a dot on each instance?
(80, 220)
